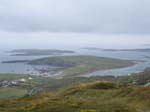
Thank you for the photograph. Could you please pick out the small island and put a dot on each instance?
(135, 50)
(80, 65)
(16, 61)
(38, 52)
(91, 48)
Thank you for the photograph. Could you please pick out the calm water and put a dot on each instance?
(25, 68)
(142, 57)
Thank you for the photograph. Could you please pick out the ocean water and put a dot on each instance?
(23, 68)
(142, 59)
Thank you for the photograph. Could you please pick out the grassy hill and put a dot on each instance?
(48, 84)
(77, 94)
(96, 96)
(79, 65)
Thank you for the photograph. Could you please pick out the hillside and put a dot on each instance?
(96, 96)
(76, 94)
(142, 78)
(39, 84)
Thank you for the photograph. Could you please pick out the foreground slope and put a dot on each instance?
(99, 96)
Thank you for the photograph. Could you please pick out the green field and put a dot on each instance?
(23, 88)
(79, 65)
(11, 93)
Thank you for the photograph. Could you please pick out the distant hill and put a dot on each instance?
(37, 52)
(91, 48)
(136, 50)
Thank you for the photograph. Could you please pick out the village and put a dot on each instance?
(12, 83)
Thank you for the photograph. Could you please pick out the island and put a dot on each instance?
(135, 50)
(16, 61)
(82, 64)
(38, 52)
(91, 48)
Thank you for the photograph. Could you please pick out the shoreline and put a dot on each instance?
(60, 73)
(87, 74)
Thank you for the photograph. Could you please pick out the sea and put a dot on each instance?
(142, 58)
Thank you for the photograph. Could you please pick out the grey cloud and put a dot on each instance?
(103, 16)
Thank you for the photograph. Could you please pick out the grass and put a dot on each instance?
(91, 97)
(11, 93)
(49, 84)
(141, 78)
(78, 94)
(35, 79)
(77, 65)
(13, 76)
(22, 89)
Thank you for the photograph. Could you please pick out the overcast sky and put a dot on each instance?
(93, 17)
(104, 16)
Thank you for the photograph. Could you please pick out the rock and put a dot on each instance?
(34, 91)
